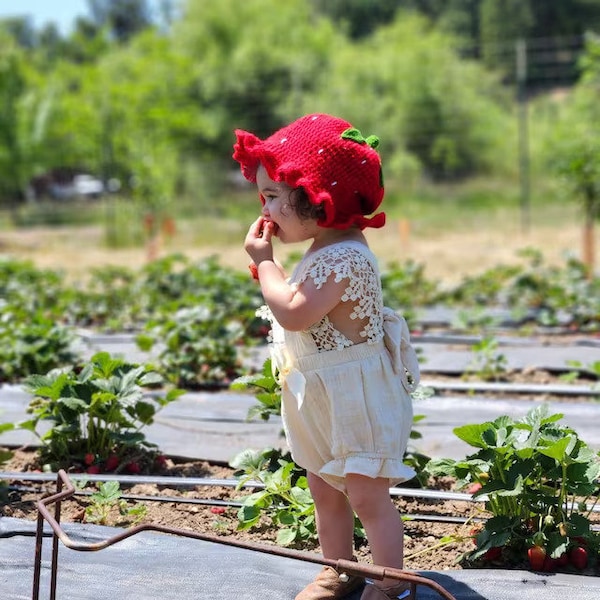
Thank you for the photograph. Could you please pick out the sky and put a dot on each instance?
(61, 12)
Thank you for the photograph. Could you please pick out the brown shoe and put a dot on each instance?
(404, 590)
(330, 584)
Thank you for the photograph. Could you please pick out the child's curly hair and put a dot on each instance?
(304, 208)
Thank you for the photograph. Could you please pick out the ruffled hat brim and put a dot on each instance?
(338, 174)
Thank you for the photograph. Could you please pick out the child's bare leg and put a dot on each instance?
(370, 498)
(335, 526)
(335, 519)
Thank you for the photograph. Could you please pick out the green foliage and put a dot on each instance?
(199, 346)
(174, 282)
(24, 284)
(31, 342)
(443, 111)
(267, 390)
(488, 363)
(591, 370)
(537, 477)
(249, 71)
(405, 287)
(109, 300)
(576, 152)
(108, 498)
(285, 499)
(100, 409)
(202, 315)
(548, 294)
(5, 455)
(125, 100)
(359, 17)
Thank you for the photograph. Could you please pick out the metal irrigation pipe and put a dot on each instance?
(232, 504)
(44, 514)
(171, 481)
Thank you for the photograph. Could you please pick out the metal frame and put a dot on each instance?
(63, 480)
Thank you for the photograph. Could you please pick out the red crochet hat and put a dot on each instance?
(329, 159)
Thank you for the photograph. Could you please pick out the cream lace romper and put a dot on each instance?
(346, 407)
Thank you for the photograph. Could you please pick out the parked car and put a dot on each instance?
(82, 186)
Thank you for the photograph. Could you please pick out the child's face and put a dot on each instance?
(278, 208)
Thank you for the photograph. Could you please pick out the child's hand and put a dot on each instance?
(258, 240)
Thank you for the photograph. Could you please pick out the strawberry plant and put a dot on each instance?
(32, 342)
(199, 346)
(22, 284)
(174, 283)
(285, 498)
(108, 498)
(405, 287)
(540, 482)
(487, 363)
(4, 456)
(267, 391)
(109, 300)
(96, 412)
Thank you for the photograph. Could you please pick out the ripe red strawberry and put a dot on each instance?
(536, 555)
(493, 553)
(161, 461)
(93, 469)
(112, 462)
(133, 468)
(578, 557)
(550, 564)
(563, 560)
(474, 533)
(89, 458)
(217, 510)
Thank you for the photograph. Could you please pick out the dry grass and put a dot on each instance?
(448, 256)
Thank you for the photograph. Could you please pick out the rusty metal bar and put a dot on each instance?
(350, 567)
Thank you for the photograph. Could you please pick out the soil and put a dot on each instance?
(421, 537)
(429, 545)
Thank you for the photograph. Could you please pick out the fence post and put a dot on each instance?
(521, 77)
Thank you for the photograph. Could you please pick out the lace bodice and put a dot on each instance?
(354, 262)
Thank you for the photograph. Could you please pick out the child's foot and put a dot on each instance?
(330, 584)
(404, 591)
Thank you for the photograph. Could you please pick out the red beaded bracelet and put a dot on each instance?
(253, 270)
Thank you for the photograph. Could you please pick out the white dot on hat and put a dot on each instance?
(334, 183)
(283, 140)
(314, 118)
(363, 161)
(320, 151)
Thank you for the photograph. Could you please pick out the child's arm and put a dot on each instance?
(295, 309)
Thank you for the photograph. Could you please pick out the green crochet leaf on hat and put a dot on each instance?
(373, 141)
(355, 135)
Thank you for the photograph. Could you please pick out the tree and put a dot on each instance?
(123, 18)
(21, 30)
(253, 61)
(577, 154)
(23, 122)
(359, 17)
(503, 22)
(436, 111)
